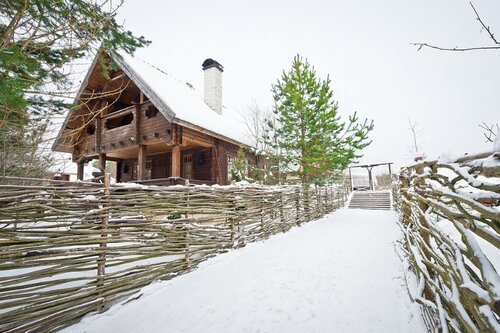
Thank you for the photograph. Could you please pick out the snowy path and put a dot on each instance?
(338, 274)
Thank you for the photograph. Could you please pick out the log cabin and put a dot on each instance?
(157, 128)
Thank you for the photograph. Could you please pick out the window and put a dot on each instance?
(187, 166)
(147, 171)
(119, 121)
(230, 163)
(90, 129)
(151, 112)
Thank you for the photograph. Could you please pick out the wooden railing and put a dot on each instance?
(119, 113)
(68, 249)
(451, 218)
(173, 181)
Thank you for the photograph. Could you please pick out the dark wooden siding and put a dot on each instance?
(224, 150)
(201, 162)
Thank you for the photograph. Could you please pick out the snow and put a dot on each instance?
(338, 274)
(448, 157)
(496, 144)
(187, 104)
(62, 166)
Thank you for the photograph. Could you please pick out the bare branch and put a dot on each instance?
(484, 25)
(421, 45)
(460, 49)
(489, 131)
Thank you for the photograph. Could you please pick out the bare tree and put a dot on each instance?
(495, 46)
(255, 120)
(490, 131)
(416, 133)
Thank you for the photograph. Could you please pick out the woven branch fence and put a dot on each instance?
(68, 249)
(450, 213)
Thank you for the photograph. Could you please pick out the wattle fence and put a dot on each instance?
(68, 249)
(451, 216)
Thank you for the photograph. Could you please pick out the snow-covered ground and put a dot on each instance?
(337, 274)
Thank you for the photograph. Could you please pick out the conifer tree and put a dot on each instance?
(239, 171)
(39, 41)
(312, 140)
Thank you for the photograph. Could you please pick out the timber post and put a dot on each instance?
(176, 160)
(101, 261)
(102, 163)
(79, 170)
(350, 179)
(141, 163)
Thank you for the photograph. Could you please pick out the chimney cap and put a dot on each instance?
(209, 63)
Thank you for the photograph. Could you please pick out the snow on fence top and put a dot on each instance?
(70, 248)
(451, 215)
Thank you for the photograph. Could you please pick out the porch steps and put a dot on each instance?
(371, 200)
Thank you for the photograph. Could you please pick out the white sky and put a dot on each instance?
(363, 45)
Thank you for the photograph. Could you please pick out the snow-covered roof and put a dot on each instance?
(180, 102)
(177, 100)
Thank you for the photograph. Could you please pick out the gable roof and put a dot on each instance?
(182, 99)
(178, 102)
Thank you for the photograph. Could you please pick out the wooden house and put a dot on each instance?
(157, 128)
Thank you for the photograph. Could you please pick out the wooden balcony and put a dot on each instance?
(119, 129)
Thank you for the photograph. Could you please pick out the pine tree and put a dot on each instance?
(312, 140)
(239, 170)
(39, 40)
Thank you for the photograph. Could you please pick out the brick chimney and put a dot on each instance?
(213, 84)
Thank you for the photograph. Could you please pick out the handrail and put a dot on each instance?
(119, 113)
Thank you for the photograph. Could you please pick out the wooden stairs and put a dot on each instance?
(370, 200)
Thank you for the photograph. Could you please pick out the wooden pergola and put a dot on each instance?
(369, 167)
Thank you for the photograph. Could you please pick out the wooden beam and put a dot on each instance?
(141, 163)
(369, 165)
(102, 163)
(370, 179)
(176, 161)
(137, 120)
(350, 179)
(119, 165)
(99, 128)
(214, 163)
(79, 171)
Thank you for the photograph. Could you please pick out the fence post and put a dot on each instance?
(405, 208)
(101, 261)
(306, 201)
(262, 225)
(321, 209)
(186, 251)
(282, 207)
(423, 207)
(297, 205)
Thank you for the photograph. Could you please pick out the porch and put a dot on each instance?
(148, 148)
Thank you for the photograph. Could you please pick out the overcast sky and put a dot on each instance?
(363, 45)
